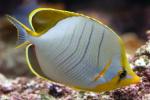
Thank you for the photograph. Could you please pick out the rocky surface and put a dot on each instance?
(24, 88)
(37, 89)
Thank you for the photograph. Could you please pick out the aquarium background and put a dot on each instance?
(128, 18)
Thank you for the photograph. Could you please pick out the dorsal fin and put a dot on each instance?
(42, 19)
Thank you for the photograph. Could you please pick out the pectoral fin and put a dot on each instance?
(101, 73)
(33, 62)
(42, 19)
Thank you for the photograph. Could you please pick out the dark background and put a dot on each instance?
(129, 18)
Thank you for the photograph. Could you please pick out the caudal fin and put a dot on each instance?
(22, 31)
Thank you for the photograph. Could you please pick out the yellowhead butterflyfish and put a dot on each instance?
(74, 50)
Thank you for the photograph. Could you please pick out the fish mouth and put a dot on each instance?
(130, 81)
(137, 80)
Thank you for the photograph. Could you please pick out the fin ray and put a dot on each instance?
(22, 30)
(33, 63)
(42, 19)
(21, 33)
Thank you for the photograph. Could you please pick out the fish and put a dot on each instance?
(75, 50)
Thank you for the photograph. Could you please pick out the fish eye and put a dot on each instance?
(122, 74)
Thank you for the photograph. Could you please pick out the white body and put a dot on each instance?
(75, 50)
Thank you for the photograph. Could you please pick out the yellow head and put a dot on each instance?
(123, 78)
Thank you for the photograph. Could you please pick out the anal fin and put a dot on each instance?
(33, 63)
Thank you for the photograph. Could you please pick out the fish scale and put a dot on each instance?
(75, 50)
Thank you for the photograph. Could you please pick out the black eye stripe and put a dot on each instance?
(123, 74)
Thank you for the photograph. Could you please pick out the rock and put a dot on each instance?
(142, 56)
(3, 79)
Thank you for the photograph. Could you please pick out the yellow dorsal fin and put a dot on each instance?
(42, 19)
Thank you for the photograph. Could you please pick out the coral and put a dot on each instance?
(135, 92)
(141, 91)
(142, 56)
